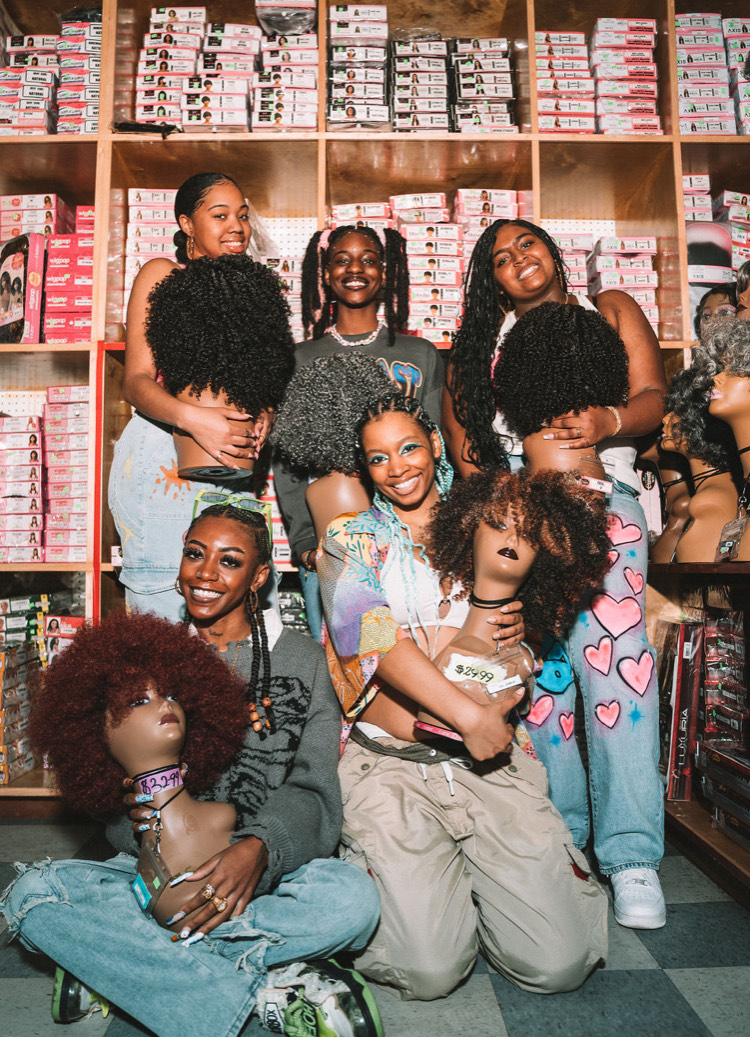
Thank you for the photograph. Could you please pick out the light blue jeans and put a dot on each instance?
(608, 652)
(152, 508)
(313, 602)
(85, 917)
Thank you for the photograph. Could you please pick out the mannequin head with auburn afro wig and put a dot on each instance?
(92, 685)
(565, 524)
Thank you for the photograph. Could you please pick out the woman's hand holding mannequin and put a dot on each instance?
(234, 873)
(209, 428)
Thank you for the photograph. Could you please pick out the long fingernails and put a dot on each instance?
(175, 917)
(193, 939)
(144, 798)
(144, 828)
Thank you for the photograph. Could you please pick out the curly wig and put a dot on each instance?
(315, 427)
(566, 525)
(223, 325)
(104, 668)
(729, 342)
(705, 436)
(729, 291)
(190, 196)
(318, 302)
(558, 358)
(743, 277)
(470, 361)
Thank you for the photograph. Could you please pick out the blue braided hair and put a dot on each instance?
(399, 531)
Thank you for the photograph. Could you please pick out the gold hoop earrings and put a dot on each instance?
(177, 586)
(190, 248)
(252, 601)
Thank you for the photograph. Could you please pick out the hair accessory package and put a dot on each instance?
(21, 279)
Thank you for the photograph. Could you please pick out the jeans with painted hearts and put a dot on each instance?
(607, 652)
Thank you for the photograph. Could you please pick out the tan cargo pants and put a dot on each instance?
(466, 856)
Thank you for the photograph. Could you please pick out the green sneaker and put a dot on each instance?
(318, 999)
(72, 1001)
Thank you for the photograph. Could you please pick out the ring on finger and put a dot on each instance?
(220, 903)
(579, 433)
(208, 891)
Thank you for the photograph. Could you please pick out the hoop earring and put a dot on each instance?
(252, 601)
(177, 586)
(190, 247)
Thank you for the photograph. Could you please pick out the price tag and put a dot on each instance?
(495, 678)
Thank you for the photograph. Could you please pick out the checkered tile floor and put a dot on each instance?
(690, 979)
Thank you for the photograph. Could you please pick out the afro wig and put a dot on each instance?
(316, 425)
(729, 342)
(566, 524)
(222, 325)
(100, 674)
(558, 358)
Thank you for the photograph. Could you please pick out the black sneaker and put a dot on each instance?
(72, 1001)
(318, 999)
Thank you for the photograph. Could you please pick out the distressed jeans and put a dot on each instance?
(85, 917)
(608, 652)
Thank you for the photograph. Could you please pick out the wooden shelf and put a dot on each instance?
(35, 784)
(690, 828)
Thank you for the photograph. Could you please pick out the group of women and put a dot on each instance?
(457, 832)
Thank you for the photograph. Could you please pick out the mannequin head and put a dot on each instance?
(688, 426)
(321, 407)
(743, 292)
(719, 302)
(730, 396)
(563, 527)
(118, 680)
(558, 358)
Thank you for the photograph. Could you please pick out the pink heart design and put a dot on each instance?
(599, 656)
(567, 722)
(619, 533)
(540, 710)
(634, 579)
(637, 674)
(613, 556)
(608, 713)
(616, 616)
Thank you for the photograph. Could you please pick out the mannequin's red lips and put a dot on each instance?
(169, 718)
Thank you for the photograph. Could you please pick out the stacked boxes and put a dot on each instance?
(79, 52)
(66, 415)
(168, 56)
(737, 42)
(696, 197)
(357, 66)
(285, 91)
(565, 86)
(21, 489)
(40, 213)
(733, 209)
(423, 105)
(575, 250)
(18, 664)
(68, 297)
(626, 263)
(703, 77)
(625, 73)
(289, 270)
(483, 86)
(225, 67)
(28, 86)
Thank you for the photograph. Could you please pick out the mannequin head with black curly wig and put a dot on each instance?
(236, 341)
(347, 273)
(693, 430)
(555, 537)
(128, 665)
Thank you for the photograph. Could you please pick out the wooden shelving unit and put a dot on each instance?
(635, 180)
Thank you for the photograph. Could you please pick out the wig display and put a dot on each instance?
(222, 325)
(318, 303)
(558, 358)
(564, 523)
(100, 675)
(474, 345)
(316, 423)
(703, 435)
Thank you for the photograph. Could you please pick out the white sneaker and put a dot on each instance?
(639, 901)
(318, 999)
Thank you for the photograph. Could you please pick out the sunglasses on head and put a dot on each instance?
(243, 502)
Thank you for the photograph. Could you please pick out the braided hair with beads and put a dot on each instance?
(470, 360)
(318, 302)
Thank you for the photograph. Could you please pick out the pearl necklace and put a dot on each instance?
(333, 330)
